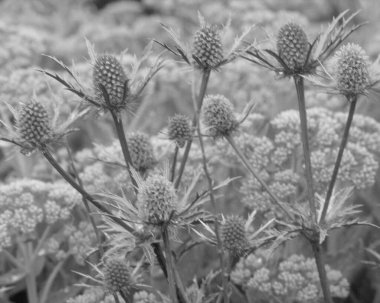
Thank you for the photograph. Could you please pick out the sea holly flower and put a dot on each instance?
(36, 127)
(180, 130)
(349, 73)
(207, 50)
(295, 55)
(237, 235)
(113, 88)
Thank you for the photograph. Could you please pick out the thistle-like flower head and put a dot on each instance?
(110, 82)
(352, 74)
(218, 116)
(295, 55)
(207, 50)
(141, 151)
(179, 129)
(117, 276)
(34, 124)
(233, 235)
(292, 45)
(157, 199)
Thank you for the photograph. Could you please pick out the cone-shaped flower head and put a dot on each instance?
(352, 70)
(157, 199)
(292, 45)
(207, 47)
(180, 129)
(218, 116)
(141, 151)
(233, 235)
(33, 123)
(117, 276)
(109, 73)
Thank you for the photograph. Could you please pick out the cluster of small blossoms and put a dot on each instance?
(81, 240)
(27, 203)
(295, 280)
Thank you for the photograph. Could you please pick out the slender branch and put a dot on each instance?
(202, 92)
(257, 177)
(320, 262)
(50, 280)
(124, 145)
(116, 298)
(85, 202)
(299, 83)
(339, 158)
(31, 285)
(174, 163)
(169, 265)
(81, 190)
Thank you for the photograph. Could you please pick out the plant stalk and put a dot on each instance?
(339, 158)
(299, 83)
(320, 262)
(243, 159)
(202, 92)
(169, 265)
(31, 285)
(174, 163)
(81, 190)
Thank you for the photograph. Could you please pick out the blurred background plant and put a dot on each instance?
(44, 228)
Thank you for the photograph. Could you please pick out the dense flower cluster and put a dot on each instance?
(27, 203)
(295, 280)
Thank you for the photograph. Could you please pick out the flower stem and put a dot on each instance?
(320, 262)
(85, 202)
(124, 145)
(299, 83)
(257, 177)
(81, 190)
(174, 163)
(339, 158)
(169, 265)
(31, 285)
(202, 92)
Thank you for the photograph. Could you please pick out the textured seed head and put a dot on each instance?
(207, 47)
(141, 151)
(33, 123)
(180, 129)
(117, 277)
(218, 116)
(352, 70)
(109, 73)
(233, 235)
(157, 199)
(292, 45)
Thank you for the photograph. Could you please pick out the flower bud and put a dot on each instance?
(180, 129)
(141, 151)
(292, 45)
(218, 116)
(117, 277)
(109, 73)
(233, 235)
(33, 123)
(157, 199)
(352, 70)
(207, 47)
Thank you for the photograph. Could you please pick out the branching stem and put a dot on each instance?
(320, 262)
(338, 161)
(299, 83)
(169, 265)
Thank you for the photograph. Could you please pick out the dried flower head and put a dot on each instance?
(207, 48)
(33, 123)
(218, 116)
(117, 276)
(292, 45)
(157, 199)
(352, 74)
(233, 235)
(180, 129)
(141, 151)
(108, 74)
